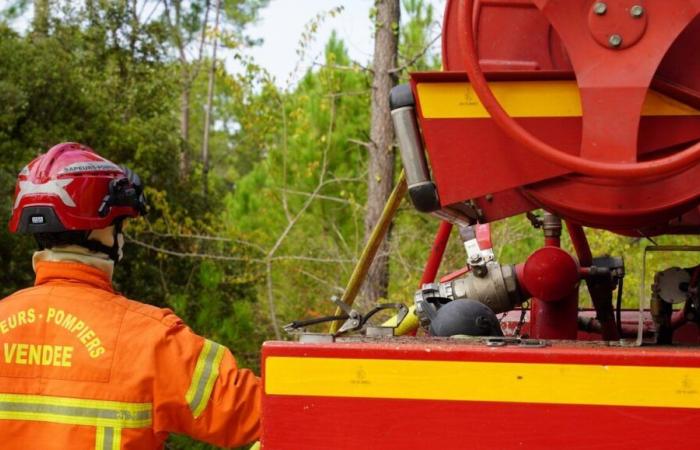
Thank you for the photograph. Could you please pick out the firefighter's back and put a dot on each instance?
(78, 364)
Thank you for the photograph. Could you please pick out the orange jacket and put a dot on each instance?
(84, 368)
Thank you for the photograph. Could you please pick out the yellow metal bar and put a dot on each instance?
(527, 99)
(410, 323)
(370, 251)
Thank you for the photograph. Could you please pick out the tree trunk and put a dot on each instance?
(185, 125)
(381, 155)
(210, 101)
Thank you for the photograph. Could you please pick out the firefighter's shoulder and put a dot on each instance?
(164, 316)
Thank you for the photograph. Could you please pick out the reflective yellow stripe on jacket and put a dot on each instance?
(107, 416)
(205, 374)
(108, 439)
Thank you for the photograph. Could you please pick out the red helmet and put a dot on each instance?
(73, 188)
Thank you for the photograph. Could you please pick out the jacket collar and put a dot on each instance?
(48, 271)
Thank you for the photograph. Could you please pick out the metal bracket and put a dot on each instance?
(502, 341)
(354, 321)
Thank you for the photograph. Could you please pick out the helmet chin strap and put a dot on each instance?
(114, 251)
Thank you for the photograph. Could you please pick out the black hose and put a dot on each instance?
(307, 322)
(618, 312)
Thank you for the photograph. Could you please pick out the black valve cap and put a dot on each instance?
(465, 317)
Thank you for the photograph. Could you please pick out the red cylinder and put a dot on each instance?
(555, 320)
(551, 276)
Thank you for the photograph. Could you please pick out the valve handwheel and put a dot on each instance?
(613, 80)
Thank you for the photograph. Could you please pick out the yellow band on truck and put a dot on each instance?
(457, 100)
(577, 384)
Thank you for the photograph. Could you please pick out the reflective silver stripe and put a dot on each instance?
(108, 417)
(124, 417)
(108, 439)
(75, 411)
(205, 374)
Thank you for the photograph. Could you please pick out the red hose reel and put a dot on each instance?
(613, 82)
(617, 50)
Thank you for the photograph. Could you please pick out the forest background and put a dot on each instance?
(258, 191)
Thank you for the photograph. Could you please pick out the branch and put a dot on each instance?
(314, 194)
(356, 67)
(285, 151)
(312, 259)
(319, 196)
(416, 57)
(271, 301)
(190, 254)
(320, 280)
(367, 145)
(200, 54)
(206, 238)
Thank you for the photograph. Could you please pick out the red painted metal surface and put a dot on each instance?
(532, 45)
(550, 274)
(516, 39)
(613, 87)
(580, 243)
(517, 182)
(316, 423)
(555, 320)
(351, 424)
(436, 253)
(483, 236)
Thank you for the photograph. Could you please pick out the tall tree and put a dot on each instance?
(187, 22)
(183, 28)
(210, 99)
(40, 21)
(381, 154)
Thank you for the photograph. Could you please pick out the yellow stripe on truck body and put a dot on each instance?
(560, 98)
(578, 384)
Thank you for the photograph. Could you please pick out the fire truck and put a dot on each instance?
(580, 114)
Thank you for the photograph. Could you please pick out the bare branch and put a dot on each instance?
(356, 67)
(312, 259)
(207, 238)
(322, 281)
(153, 11)
(319, 196)
(202, 39)
(367, 145)
(271, 301)
(314, 194)
(418, 56)
(285, 151)
(166, 251)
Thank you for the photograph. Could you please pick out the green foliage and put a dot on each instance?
(418, 34)
(309, 157)
(100, 79)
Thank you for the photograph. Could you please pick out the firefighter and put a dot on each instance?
(82, 367)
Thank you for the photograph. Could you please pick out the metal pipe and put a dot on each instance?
(359, 274)
(551, 225)
(421, 188)
(555, 320)
(580, 243)
(437, 251)
(601, 291)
